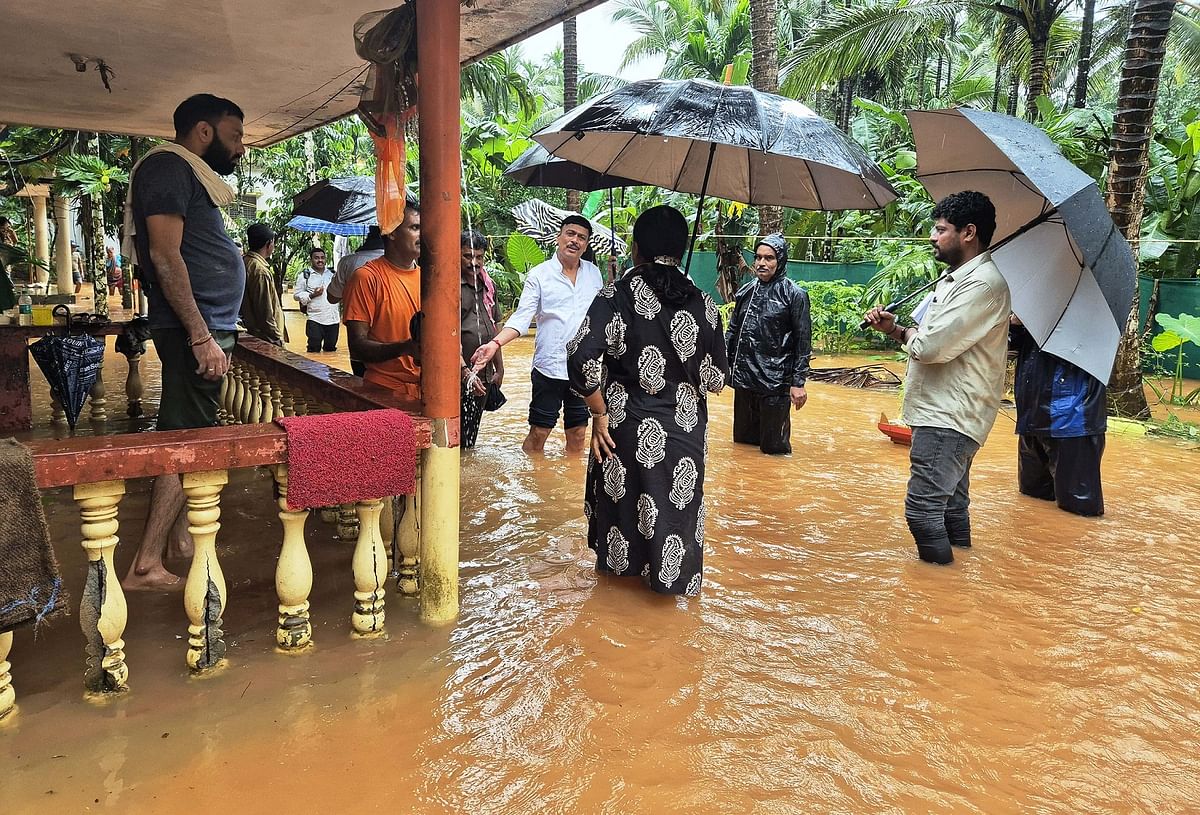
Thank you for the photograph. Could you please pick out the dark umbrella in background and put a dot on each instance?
(70, 363)
(1070, 271)
(348, 200)
(727, 141)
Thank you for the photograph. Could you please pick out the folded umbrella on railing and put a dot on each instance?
(71, 364)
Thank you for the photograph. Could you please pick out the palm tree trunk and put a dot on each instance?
(996, 86)
(571, 84)
(92, 215)
(1037, 73)
(1085, 53)
(1132, 129)
(1014, 91)
(921, 72)
(764, 75)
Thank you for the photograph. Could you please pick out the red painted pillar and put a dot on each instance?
(438, 109)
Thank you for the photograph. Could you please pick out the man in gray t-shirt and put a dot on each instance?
(195, 279)
(166, 185)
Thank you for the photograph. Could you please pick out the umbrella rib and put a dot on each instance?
(1074, 291)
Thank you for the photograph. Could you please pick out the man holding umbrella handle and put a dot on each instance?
(957, 361)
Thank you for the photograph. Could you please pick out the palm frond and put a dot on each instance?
(857, 39)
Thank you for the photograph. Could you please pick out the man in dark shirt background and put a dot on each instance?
(195, 280)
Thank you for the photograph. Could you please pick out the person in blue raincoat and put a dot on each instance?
(1061, 422)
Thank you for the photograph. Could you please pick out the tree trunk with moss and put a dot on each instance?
(1133, 127)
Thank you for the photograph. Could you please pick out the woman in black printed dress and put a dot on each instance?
(646, 356)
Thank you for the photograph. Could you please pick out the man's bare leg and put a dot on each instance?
(535, 442)
(179, 542)
(147, 572)
(576, 439)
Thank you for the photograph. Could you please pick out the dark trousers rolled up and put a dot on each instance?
(1066, 471)
(763, 420)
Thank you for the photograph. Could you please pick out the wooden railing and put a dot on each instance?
(264, 382)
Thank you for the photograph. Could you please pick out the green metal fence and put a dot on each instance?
(704, 272)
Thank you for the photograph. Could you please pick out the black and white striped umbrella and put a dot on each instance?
(543, 222)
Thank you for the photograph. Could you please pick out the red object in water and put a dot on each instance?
(898, 433)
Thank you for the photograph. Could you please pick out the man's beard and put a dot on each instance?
(220, 158)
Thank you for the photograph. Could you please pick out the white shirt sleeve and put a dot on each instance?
(301, 293)
(528, 306)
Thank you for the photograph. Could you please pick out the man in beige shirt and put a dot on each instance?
(957, 358)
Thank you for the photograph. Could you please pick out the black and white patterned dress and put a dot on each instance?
(657, 364)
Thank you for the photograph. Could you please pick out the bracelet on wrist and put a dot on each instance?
(599, 415)
(201, 341)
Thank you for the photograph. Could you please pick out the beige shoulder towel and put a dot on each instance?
(220, 192)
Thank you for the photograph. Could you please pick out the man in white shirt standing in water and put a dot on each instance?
(557, 295)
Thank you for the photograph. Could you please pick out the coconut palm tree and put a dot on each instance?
(697, 38)
(764, 75)
(857, 39)
(571, 84)
(1084, 61)
(1145, 52)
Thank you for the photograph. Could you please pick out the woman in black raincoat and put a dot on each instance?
(769, 343)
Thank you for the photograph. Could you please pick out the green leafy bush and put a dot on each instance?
(836, 309)
(1176, 331)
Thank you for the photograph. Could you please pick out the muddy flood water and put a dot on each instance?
(1053, 668)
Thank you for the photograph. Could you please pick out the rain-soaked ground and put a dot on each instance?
(1051, 669)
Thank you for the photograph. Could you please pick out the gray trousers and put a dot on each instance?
(938, 499)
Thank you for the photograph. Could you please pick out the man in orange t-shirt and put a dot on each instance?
(380, 301)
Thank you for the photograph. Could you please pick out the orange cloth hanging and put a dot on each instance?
(389, 172)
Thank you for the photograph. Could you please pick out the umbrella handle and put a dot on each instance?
(66, 313)
(891, 307)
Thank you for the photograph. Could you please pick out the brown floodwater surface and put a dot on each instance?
(1051, 669)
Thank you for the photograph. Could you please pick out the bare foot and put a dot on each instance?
(155, 578)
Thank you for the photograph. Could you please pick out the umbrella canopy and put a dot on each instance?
(726, 141)
(537, 168)
(542, 222)
(305, 224)
(338, 200)
(1071, 273)
(70, 364)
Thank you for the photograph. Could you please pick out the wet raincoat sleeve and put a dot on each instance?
(802, 331)
(585, 352)
(736, 317)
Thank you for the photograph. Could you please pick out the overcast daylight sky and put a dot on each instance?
(601, 43)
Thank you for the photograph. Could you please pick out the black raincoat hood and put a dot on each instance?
(779, 247)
